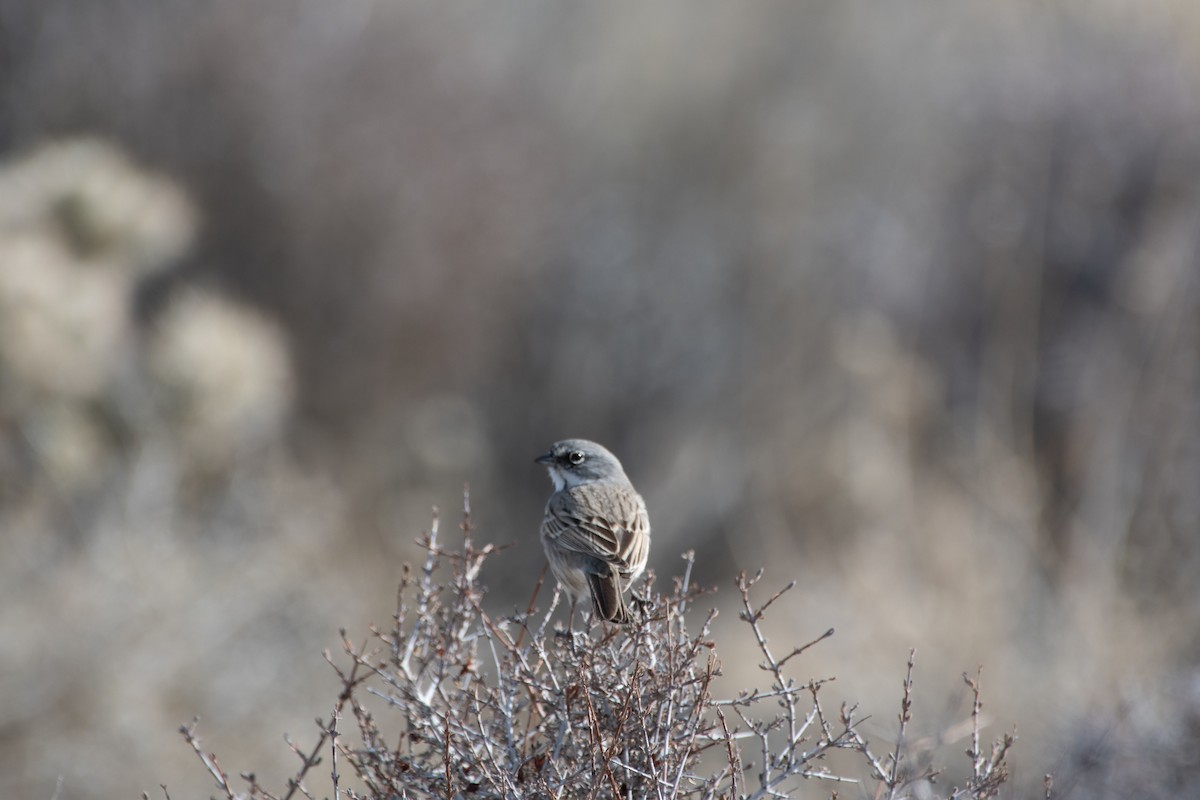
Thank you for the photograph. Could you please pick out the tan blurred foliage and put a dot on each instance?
(902, 303)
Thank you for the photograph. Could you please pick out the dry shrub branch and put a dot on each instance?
(453, 702)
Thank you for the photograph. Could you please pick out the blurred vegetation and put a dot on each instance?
(901, 303)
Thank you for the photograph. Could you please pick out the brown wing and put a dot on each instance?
(606, 521)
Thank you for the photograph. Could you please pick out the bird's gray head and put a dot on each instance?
(572, 462)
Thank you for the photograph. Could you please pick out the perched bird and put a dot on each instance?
(595, 531)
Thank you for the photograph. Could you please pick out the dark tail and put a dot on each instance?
(606, 598)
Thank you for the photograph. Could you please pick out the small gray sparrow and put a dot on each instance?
(596, 532)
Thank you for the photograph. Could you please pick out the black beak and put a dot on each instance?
(548, 458)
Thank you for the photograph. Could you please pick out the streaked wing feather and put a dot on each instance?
(599, 521)
(637, 546)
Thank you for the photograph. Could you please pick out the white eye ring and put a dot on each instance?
(575, 457)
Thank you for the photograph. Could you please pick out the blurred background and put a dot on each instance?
(900, 302)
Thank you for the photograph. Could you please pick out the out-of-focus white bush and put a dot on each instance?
(223, 373)
(118, 437)
(79, 225)
(86, 386)
(87, 195)
(64, 324)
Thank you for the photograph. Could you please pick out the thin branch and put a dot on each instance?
(893, 781)
(209, 760)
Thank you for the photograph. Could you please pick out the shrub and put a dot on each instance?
(453, 702)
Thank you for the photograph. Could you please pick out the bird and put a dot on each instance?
(595, 531)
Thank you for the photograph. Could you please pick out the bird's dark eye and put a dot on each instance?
(575, 457)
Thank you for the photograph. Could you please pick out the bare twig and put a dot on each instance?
(209, 760)
(893, 782)
(335, 719)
